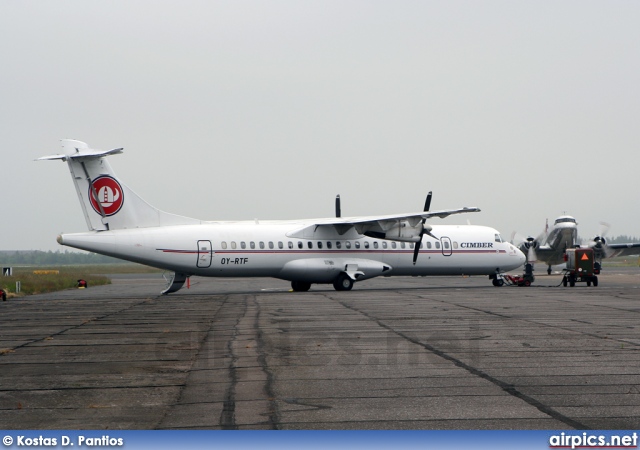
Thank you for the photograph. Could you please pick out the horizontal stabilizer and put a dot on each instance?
(85, 153)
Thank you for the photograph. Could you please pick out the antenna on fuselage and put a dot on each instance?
(338, 213)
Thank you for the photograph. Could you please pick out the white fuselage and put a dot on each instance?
(276, 249)
(331, 250)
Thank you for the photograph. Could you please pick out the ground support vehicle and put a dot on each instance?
(516, 280)
(580, 267)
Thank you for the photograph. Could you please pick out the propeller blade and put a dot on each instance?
(427, 203)
(608, 252)
(425, 230)
(517, 238)
(416, 250)
(338, 213)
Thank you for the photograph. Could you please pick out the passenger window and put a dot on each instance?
(328, 244)
(411, 245)
(347, 244)
(384, 244)
(428, 244)
(319, 244)
(393, 245)
(270, 244)
(366, 244)
(310, 244)
(300, 244)
(290, 244)
(252, 244)
(243, 245)
(437, 244)
(357, 244)
(224, 245)
(280, 244)
(446, 245)
(403, 245)
(338, 244)
(455, 244)
(233, 244)
(375, 245)
(261, 244)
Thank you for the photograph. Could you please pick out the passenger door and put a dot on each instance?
(446, 246)
(205, 254)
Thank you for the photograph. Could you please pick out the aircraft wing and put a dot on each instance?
(379, 226)
(552, 256)
(623, 250)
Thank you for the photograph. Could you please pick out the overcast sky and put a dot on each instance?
(268, 109)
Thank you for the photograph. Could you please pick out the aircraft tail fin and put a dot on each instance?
(107, 203)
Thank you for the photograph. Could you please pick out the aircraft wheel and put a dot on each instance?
(549, 270)
(497, 283)
(572, 282)
(343, 283)
(564, 281)
(300, 286)
(595, 281)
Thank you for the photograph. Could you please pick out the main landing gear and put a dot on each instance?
(300, 286)
(342, 283)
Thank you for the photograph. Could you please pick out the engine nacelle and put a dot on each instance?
(599, 242)
(402, 231)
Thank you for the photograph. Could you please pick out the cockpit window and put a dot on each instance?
(498, 238)
(565, 220)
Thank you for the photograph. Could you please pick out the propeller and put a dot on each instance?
(338, 213)
(599, 243)
(516, 238)
(530, 244)
(425, 230)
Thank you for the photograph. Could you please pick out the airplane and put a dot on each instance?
(338, 251)
(550, 246)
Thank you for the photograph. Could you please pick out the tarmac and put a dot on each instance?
(393, 353)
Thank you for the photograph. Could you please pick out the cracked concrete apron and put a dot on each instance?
(392, 354)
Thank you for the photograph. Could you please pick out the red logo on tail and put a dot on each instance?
(109, 195)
